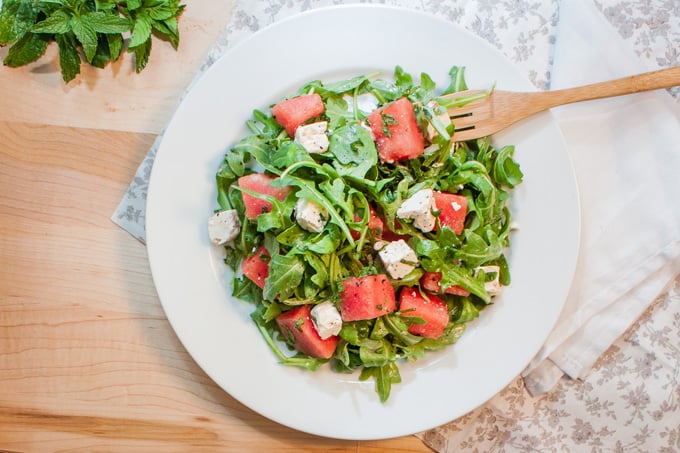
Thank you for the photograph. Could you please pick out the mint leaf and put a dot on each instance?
(69, 59)
(28, 49)
(134, 4)
(103, 55)
(107, 23)
(57, 23)
(141, 32)
(86, 35)
(142, 53)
(16, 18)
(168, 32)
(115, 45)
(162, 12)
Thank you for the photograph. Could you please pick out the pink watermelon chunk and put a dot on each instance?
(432, 309)
(366, 297)
(297, 326)
(431, 281)
(260, 183)
(375, 226)
(453, 209)
(396, 131)
(291, 113)
(256, 266)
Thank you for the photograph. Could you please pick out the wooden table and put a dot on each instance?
(88, 361)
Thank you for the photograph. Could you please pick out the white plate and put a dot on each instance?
(193, 283)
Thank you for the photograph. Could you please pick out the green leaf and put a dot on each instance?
(141, 31)
(57, 23)
(134, 4)
(457, 75)
(105, 5)
(86, 35)
(384, 376)
(142, 53)
(103, 55)
(168, 29)
(354, 150)
(107, 23)
(28, 49)
(69, 59)
(161, 12)
(16, 18)
(115, 45)
(285, 275)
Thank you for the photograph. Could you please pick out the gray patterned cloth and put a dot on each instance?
(630, 399)
(630, 402)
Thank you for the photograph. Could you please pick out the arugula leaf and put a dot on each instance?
(285, 275)
(384, 376)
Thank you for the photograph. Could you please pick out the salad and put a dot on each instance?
(363, 235)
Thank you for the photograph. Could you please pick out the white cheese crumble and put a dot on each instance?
(366, 102)
(327, 320)
(224, 226)
(310, 216)
(399, 259)
(493, 287)
(313, 137)
(419, 207)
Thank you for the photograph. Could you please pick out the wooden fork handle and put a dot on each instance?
(663, 78)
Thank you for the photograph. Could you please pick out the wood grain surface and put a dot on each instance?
(88, 361)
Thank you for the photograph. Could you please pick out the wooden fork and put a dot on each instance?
(500, 109)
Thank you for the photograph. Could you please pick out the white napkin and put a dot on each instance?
(626, 154)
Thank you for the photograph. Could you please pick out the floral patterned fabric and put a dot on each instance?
(630, 402)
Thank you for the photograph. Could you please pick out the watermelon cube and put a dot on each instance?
(375, 226)
(396, 131)
(366, 297)
(452, 210)
(260, 183)
(297, 327)
(256, 266)
(431, 309)
(431, 281)
(293, 112)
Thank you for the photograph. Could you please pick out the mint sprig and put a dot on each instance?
(91, 31)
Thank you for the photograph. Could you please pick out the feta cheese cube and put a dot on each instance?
(366, 102)
(493, 286)
(313, 137)
(224, 226)
(419, 207)
(399, 259)
(443, 118)
(327, 320)
(310, 216)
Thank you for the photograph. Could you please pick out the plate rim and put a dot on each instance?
(234, 48)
